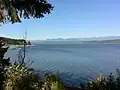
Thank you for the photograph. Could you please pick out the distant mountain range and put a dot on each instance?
(93, 40)
(85, 39)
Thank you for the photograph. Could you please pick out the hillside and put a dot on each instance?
(14, 41)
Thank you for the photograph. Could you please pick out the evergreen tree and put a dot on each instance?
(3, 62)
(14, 10)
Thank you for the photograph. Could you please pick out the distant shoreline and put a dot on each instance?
(16, 46)
(77, 43)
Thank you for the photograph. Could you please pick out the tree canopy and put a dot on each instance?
(15, 10)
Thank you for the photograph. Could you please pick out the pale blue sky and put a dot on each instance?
(71, 18)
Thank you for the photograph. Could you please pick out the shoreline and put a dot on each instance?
(16, 46)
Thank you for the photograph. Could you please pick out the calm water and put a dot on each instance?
(76, 63)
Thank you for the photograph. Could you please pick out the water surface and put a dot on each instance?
(75, 62)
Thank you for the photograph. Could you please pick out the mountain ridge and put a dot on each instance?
(85, 39)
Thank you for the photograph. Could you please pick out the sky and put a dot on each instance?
(70, 19)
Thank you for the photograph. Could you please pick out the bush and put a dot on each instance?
(98, 84)
(20, 78)
(112, 82)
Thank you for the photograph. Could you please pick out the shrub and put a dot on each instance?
(112, 82)
(4, 63)
(20, 78)
(98, 84)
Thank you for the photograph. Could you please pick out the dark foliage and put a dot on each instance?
(13, 41)
(3, 62)
(112, 82)
(14, 10)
